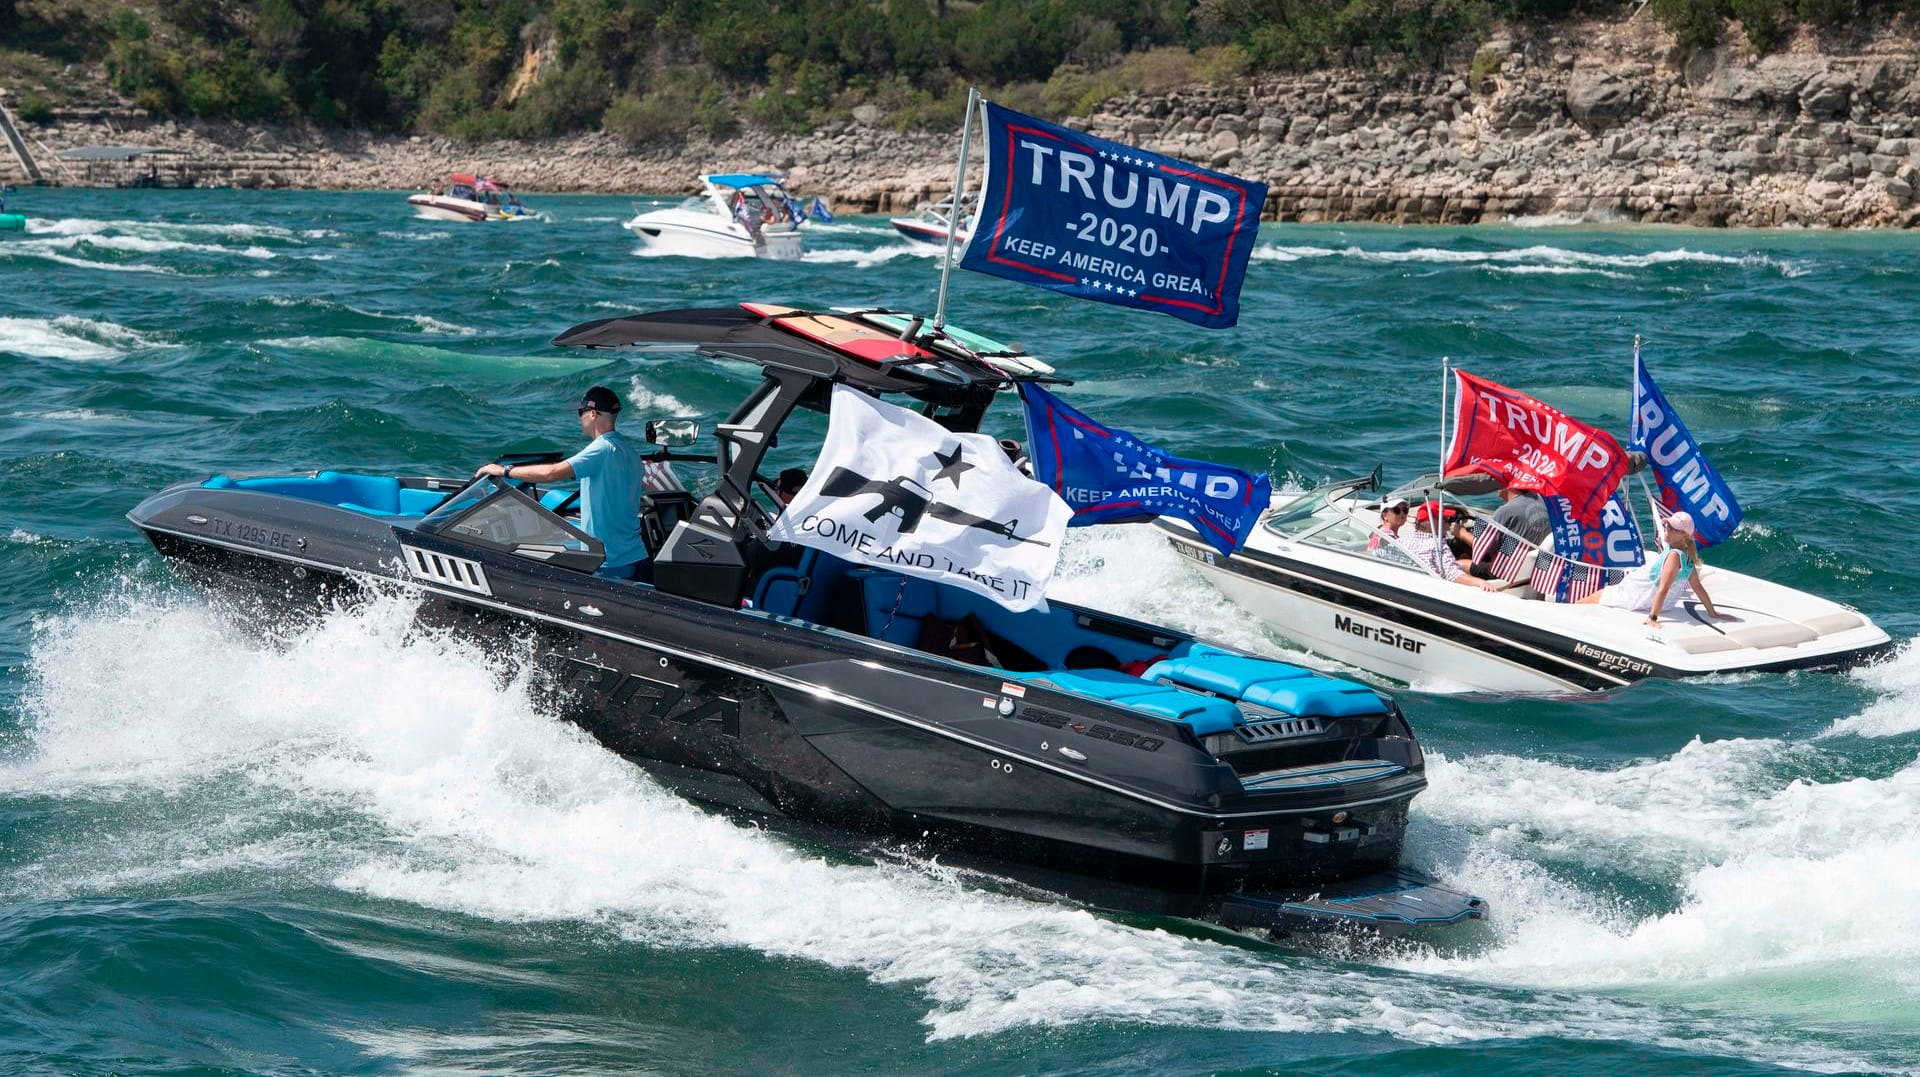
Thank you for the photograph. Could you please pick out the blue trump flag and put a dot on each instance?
(1108, 476)
(1588, 551)
(1615, 543)
(1687, 482)
(1099, 220)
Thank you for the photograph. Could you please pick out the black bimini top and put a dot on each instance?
(856, 357)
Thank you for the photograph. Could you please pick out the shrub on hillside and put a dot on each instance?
(33, 109)
(567, 100)
(1696, 23)
(641, 120)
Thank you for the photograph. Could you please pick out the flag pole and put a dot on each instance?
(1446, 362)
(959, 204)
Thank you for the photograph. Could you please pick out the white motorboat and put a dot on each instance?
(736, 215)
(930, 222)
(1311, 570)
(469, 198)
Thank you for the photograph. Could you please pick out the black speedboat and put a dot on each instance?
(1212, 784)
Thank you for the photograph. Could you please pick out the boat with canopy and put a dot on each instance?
(469, 198)
(1104, 757)
(735, 215)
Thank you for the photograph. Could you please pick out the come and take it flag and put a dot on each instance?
(1533, 446)
(897, 490)
(1687, 482)
(1100, 220)
(1110, 476)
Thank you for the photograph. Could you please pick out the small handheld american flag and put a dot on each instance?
(1510, 554)
(1560, 580)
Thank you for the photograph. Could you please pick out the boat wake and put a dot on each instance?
(364, 755)
(869, 258)
(1535, 259)
(71, 337)
(1897, 711)
(1788, 894)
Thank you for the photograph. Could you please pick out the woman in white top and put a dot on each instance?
(1663, 581)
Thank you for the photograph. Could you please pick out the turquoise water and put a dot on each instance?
(234, 845)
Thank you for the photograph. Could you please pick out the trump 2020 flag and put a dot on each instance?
(1109, 476)
(1533, 446)
(1100, 220)
(895, 489)
(1687, 481)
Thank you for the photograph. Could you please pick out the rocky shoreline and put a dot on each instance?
(1605, 121)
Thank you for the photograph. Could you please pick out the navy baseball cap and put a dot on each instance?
(599, 398)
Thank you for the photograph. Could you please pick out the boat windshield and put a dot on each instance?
(494, 513)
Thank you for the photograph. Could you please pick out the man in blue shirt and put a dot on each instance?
(611, 473)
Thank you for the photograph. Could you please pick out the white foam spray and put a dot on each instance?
(368, 756)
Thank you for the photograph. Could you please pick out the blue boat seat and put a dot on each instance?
(1204, 714)
(1283, 687)
(374, 495)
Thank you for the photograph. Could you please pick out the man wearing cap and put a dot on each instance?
(611, 484)
(1429, 547)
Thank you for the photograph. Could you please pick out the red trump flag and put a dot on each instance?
(1533, 446)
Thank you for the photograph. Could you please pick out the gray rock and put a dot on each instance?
(1836, 172)
(1883, 164)
(1597, 98)
(868, 115)
(1827, 94)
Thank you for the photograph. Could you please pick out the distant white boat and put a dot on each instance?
(736, 215)
(930, 222)
(469, 198)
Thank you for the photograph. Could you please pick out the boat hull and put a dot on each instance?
(1487, 643)
(700, 235)
(793, 721)
(918, 230)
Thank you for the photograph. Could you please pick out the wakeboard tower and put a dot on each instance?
(1123, 762)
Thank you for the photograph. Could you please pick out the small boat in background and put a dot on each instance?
(468, 197)
(736, 215)
(930, 222)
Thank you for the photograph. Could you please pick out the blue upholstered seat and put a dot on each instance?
(1283, 687)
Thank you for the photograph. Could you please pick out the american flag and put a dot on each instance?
(1580, 579)
(1509, 552)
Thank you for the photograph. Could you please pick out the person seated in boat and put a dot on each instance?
(1459, 530)
(1393, 517)
(610, 471)
(1660, 584)
(1426, 541)
(787, 484)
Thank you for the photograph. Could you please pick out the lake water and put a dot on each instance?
(230, 849)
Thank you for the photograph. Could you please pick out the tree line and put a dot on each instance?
(650, 70)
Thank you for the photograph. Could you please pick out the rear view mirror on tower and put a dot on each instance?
(673, 433)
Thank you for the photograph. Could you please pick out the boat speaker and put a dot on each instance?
(700, 563)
